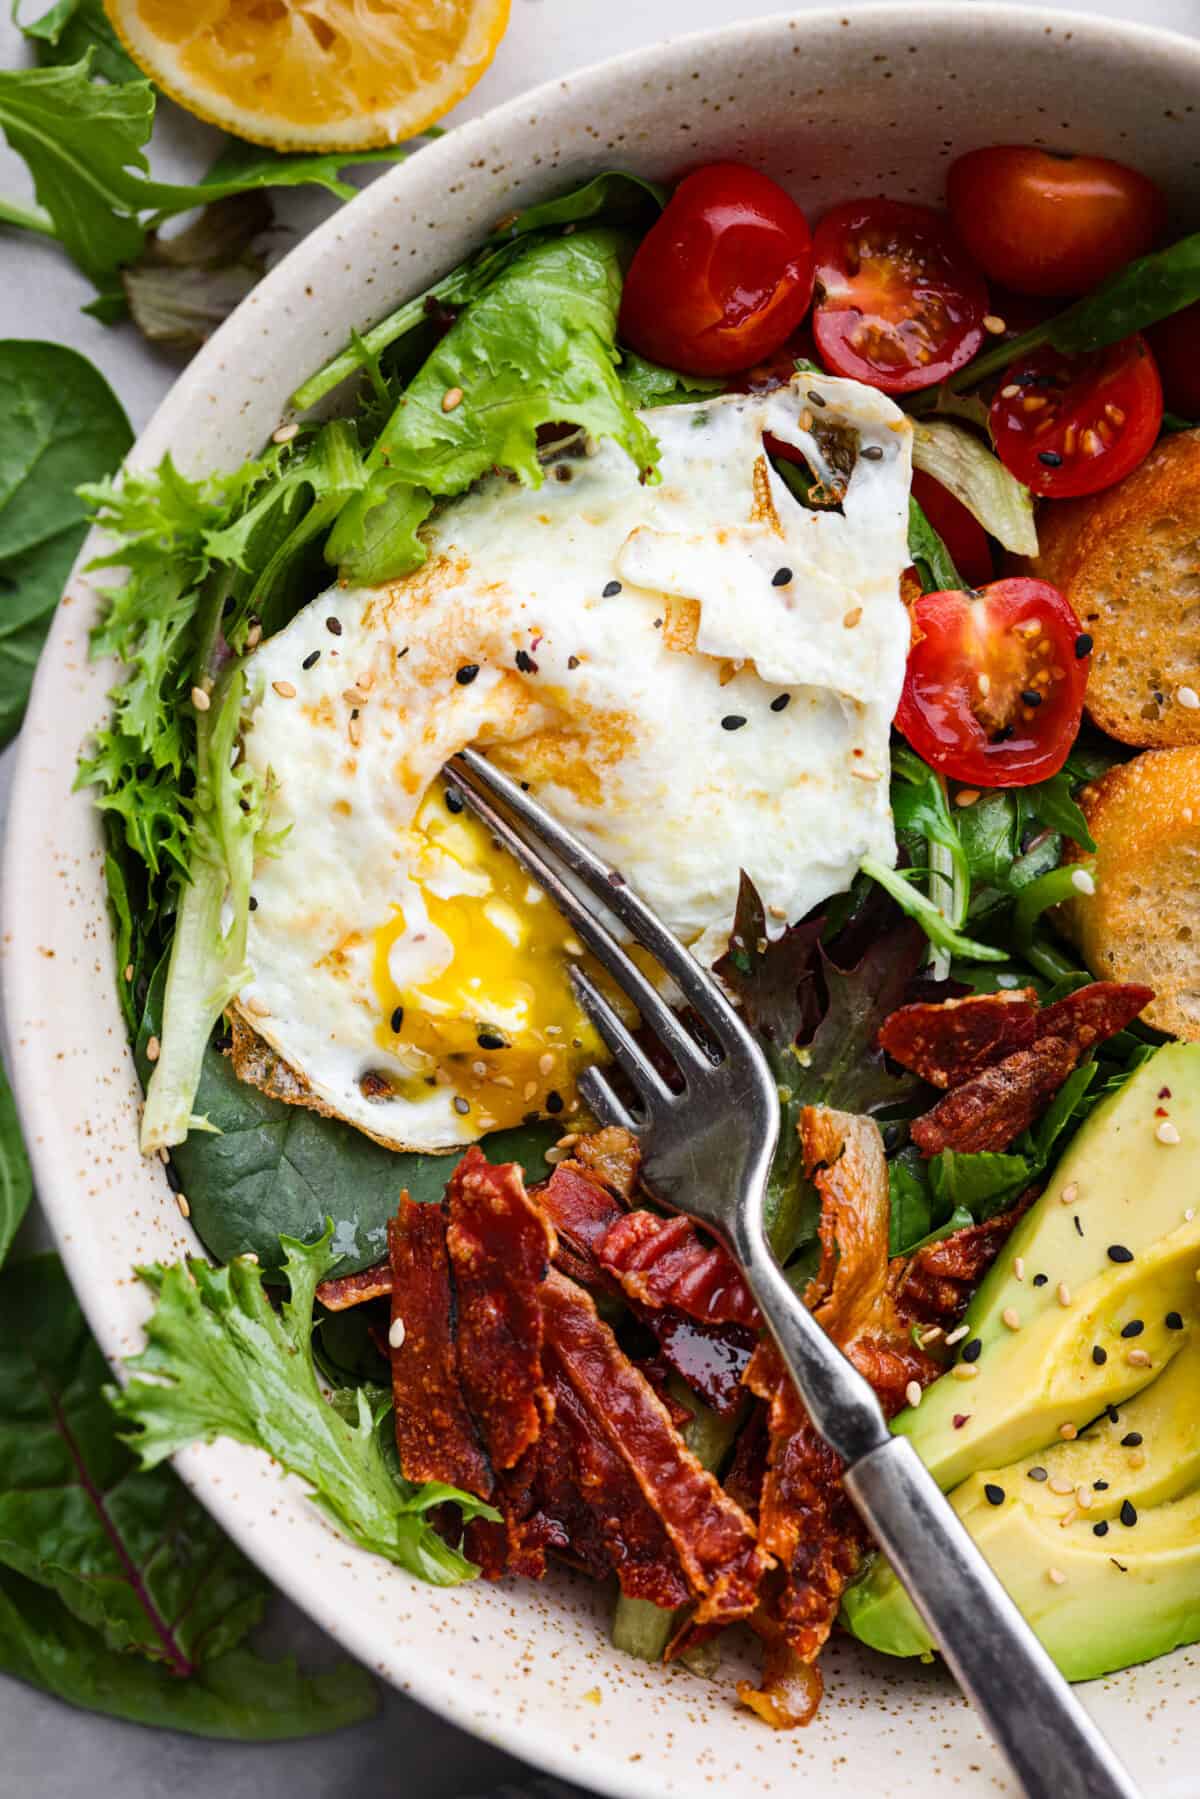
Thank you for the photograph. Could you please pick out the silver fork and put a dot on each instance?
(707, 1149)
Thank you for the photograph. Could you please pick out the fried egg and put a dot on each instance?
(697, 676)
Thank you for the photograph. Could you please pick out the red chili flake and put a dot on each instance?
(1161, 1112)
(1164, 1093)
(960, 1418)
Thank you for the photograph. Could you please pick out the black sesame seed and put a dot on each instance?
(1083, 644)
(1078, 1226)
(779, 703)
(781, 577)
(532, 1118)
(872, 453)
(1039, 1280)
(490, 1040)
(454, 800)
(1131, 1440)
(1114, 1417)
(732, 721)
(173, 1180)
(972, 1351)
(1099, 1356)
(554, 1102)
(467, 674)
(1038, 1474)
(993, 1494)
(461, 1106)
(815, 399)
(1117, 1252)
(1101, 1529)
(1051, 458)
(1134, 1328)
(1173, 1321)
(253, 903)
(333, 626)
(1101, 1486)
(311, 660)
(1120, 1565)
(1031, 696)
(1128, 1513)
(526, 663)
(1004, 733)
(397, 1021)
(610, 590)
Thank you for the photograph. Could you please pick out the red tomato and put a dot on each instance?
(1068, 425)
(899, 306)
(1045, 223)
(1176, 346)
(993, 692)
(723, 277)
(960, 531)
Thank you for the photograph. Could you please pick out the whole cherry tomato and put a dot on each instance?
(723, 278)
(1068, 425)
(993, 691)
(898, 303)
(961, 532)
(1044, 223)
(1175, 342)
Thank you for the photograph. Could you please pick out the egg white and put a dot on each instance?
(618, 629)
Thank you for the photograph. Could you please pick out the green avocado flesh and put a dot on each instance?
(1115, 1356)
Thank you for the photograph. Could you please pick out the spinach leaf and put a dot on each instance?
(910, 1217)
(934, 565)
(16, 1177)
(60, 425)
(73, 27)
(238, 1695)
(222, 1363)
(982, 1183)
(118, 1591)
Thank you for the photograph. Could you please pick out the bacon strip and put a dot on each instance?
(499, 1245)
(1093, 1013)
(935, 1285)
(354, 1289)
(988, 1112)
(435, 1434)
(666, 1262)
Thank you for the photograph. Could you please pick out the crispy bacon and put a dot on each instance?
(986, 1113)
(953, 1042)
(789, 1693)
(499, 1245)
(435, 1434)
(666, 1262)
(583, 1211)
(354, 1289)
(613, 1156)
(935, 1285)
(710, 1358)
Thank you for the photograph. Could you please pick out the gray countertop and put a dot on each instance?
(47, 1749)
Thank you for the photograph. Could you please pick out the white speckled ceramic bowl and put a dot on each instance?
(832, 106)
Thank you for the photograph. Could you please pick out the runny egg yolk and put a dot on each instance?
(498, 1021)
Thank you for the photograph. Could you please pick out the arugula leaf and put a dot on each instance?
(237, 1696)
(910, 1214)
(615, 196)
(969, 469)
(932, 558)
(981, 1183)
(73, 27)
(646, 384)
(929, 915)
(224, 1363)
(60, 424)
(537, 347)
(118, 1591)
(1053, 803)
(16, 1177)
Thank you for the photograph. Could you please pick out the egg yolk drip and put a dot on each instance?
(492, 1013)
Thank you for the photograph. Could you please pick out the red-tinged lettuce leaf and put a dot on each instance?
(237, 1695)
(775, 982)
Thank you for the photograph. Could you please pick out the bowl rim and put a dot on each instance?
(533, 1738)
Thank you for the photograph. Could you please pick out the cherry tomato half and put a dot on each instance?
(1068, 425)
(993, 692)
(1045, 223)
(723, 277)
(1175, 342)
(961, 532)
(899, 305)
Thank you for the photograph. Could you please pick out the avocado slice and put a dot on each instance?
(1101, 1586)
(1108, 1246)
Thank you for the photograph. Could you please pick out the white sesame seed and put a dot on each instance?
(1138, 1358)
(1166, 1132)
(254, 637)
(994, 324)
(546, 1063)
(164, 1156)
(1082, 882)
(1188, 698)
(956, 1336)
(529, 1089)
(285, 434)
(284, 689)
(1138, 1459)
(128, 972)
(258, 1007)
(200, 699)
(930, 1334)
(1189, 1214)
(966, 796)
(1068, 1518)
(1060, 1486)
(1064, 1294)
(152, 1049)
(1070, 1193)
(1011, 391)
(479, 1068)
(1056, 1577)
(1068, 1432)
(1083, 1498)
(913, 1392)
(396, 1333)
(1019, 1267)
(573, 947)
(964, 1371)
(183, 1205)
(569, 1141)
(452, 397)
(554, 1156)
(1011, 1318)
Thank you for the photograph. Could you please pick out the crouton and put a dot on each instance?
(1128, 560)
(1143, 921)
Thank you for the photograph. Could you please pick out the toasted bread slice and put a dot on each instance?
(1128, 560)
(1143, 921)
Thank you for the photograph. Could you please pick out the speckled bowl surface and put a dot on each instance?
(832, 106)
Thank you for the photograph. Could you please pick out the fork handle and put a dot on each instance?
(1048, 1738)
